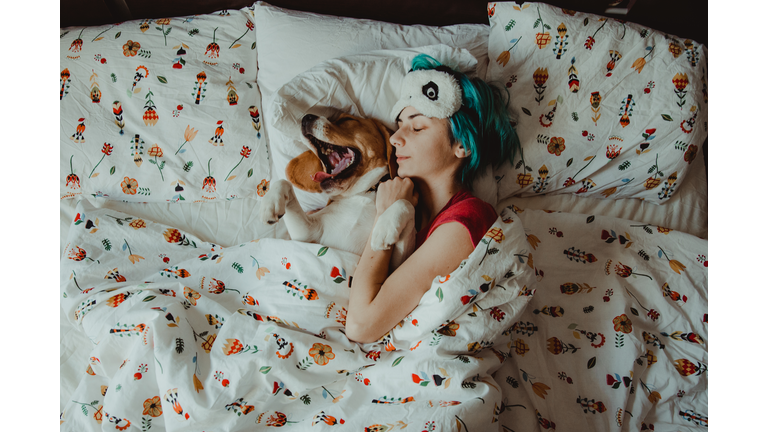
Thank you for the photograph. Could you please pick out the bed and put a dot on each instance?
(583, 308)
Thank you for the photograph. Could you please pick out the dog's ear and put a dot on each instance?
(301, 169)
(390, 149)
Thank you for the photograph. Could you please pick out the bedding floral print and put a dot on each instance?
(134, 97)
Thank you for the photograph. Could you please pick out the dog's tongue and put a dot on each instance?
(320, 176)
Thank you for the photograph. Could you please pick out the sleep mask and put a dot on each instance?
(433, 92)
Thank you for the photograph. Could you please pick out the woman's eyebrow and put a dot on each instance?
(410, 117)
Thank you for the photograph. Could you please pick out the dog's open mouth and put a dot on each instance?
(337, 160)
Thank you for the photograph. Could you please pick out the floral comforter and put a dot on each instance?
(191, 336)
(615, 337)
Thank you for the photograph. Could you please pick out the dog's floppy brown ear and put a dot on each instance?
(391, 157)
(301, 169)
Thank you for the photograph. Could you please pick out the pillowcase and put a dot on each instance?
(603, 107)
(291, 42)
(365, 85)
(162, 110)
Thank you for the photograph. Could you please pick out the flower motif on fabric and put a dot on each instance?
(321, 353)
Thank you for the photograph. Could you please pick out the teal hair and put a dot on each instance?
(482, 124)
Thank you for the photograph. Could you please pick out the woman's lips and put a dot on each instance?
(402, 158)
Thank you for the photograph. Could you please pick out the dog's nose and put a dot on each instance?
(308, 119)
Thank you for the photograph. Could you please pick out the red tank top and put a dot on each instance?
(476, 215)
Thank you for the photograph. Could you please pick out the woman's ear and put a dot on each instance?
(461, 152)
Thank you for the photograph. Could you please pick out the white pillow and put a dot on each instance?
(365, 85)
(290, 42)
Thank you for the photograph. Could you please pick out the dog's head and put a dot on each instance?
(347, 155)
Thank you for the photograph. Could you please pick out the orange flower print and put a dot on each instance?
(503, 58)
(156, 152)
(130, 186)
(131, 48)
(556, 145)
(172, 397)
(495, 234)
(232, 346)
(138, 224)
(153, 407)
(212, 50)
(150, 116)
(626, 271)
(521, 347)
(209, 183)
(278, 419)
(262, 188)
(623, 324)
(99, 414)
(162, 22)
(321, 353)
(79, 254)
(191, 295)
(73, 181)
(172, 235)
(540, 389)
(189, 135)
(77, 46)
(79, 135)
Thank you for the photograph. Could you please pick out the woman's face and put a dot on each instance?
(423, 146)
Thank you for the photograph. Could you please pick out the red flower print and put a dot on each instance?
(611, 151)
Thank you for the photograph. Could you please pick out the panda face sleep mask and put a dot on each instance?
(434, 93)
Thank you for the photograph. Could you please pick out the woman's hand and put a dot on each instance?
(392, 190)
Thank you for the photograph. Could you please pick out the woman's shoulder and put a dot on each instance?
(467, 203)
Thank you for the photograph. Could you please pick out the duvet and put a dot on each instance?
(615, 337)
(192, 336)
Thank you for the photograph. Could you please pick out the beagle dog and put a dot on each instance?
(347, 158)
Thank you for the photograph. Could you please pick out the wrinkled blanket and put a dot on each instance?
(191, 336)
(615, 337)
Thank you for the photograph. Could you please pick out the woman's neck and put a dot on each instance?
(433, 196)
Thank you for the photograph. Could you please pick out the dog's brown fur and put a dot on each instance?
(369, 137)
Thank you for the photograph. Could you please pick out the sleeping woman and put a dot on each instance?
(450, 128)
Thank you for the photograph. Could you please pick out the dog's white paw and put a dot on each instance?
(391, 224)
(272, 206)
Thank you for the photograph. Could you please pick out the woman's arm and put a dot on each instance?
(378, 301)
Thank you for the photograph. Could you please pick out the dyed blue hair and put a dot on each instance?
(482, 124)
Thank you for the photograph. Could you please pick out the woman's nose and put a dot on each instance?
(396, 138)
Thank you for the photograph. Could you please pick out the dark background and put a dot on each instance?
(682, 18)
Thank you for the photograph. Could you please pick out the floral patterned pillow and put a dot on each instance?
(603, 107)
(162, 110)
